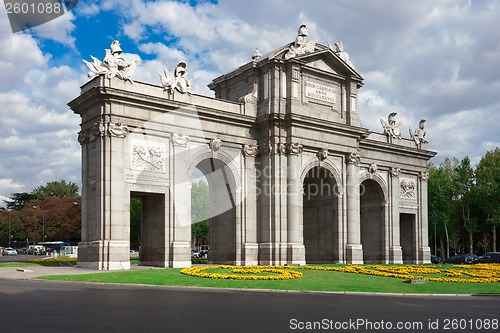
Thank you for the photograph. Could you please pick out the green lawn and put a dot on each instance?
(311, 281)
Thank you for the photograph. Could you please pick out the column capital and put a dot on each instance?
(395, 172)
(424, 176)
(250, 150)
(294, 148)
(353, 158)
(179, 139)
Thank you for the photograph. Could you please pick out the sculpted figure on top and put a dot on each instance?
(114, 64)
(419, 134)
(301, 45)
(391, 127)
(339, 50)
(178, 80)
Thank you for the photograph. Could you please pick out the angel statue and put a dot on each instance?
(114, 64)
(178, 80)
(391, 127)
(419, 134)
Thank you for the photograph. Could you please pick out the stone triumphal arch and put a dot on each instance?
(293, 176)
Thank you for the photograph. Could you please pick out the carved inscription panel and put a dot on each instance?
(320, 92)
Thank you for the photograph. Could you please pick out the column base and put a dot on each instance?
(424, 255)
(250, 254)
(104, 255)
(181, 255)
(354, 253)
(272, 253)
(296, 254)
(396, 255)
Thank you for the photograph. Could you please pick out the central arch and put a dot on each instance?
(320, 216)
(223, 205)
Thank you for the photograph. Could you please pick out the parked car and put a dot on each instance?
(466, 258)
(435, 259)
(490, 257)
(10, 252)
(199, 254)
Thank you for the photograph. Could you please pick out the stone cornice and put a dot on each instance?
(99, 94)
(394, 148)
(298, 120)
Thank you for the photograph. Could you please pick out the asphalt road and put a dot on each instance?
(38, 306)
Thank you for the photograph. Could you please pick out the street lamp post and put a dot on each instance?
(8, 214)
(43, 223)
(435, 242)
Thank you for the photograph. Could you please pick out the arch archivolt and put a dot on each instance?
(229, 161)
(314, 162)
(378, 179)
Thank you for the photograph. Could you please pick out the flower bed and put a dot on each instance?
(480, 273)
(244, 272)
(54, 260)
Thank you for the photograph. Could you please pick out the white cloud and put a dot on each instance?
(19, 55)
(59, 30)
(87, 9)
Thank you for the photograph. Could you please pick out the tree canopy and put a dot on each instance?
(464, 205)
(59, 189)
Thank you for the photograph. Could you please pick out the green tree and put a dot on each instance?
(17, 201)
(59, 189)
(200, 212)
(440, 193)
(135, 222)
(10, 222)
(463, 181)
(488, 185)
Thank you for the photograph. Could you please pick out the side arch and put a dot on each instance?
(373, 218)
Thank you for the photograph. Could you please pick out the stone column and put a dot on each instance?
(296, 250)
(250, 250)
(106, 221)
(395, 251)
(424, 251)
(354, 249)
(180, 187)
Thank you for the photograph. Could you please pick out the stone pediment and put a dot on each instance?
(322, 58)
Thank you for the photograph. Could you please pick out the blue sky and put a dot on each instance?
(438, 60)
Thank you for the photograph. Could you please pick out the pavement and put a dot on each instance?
(30, 272)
